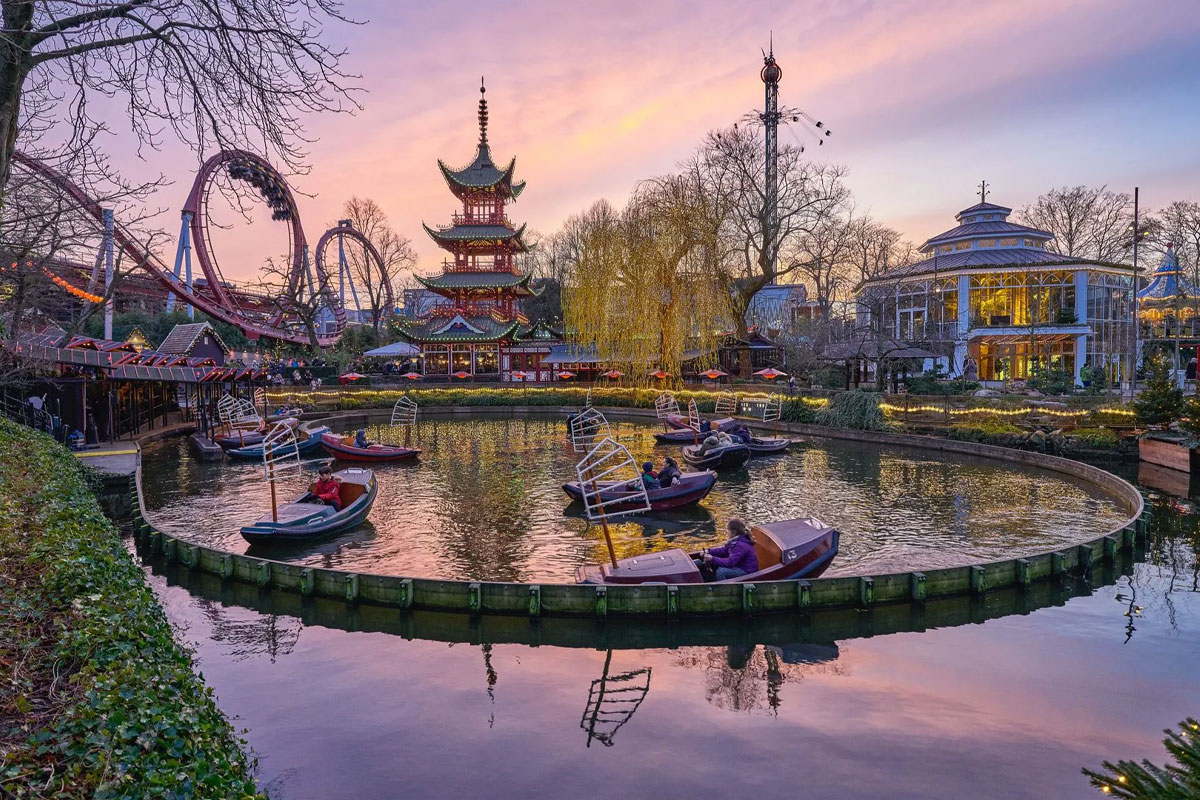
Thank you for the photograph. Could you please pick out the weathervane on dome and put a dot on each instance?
(983, 191)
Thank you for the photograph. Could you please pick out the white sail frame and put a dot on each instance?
(727, 404)
(281, 452)
(608, 460)
(772, 408)
(665, 405)
(693, 415)
(404, 412)
(588, 427)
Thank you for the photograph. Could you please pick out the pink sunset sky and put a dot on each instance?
(925, 98)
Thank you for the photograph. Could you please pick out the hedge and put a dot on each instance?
(102, 702)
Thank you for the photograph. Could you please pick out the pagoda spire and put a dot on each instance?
(483, 114)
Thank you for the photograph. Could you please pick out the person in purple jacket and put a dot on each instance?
(734, 558)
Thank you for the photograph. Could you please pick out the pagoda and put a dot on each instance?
(471, 331)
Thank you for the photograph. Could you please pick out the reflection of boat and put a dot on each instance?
(308, 517)
(308, 442)
(343, 449)
(691, 488)
(787, 550)
(241, 438)
(679, 421)
(730, 456)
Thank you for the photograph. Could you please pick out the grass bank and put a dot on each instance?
(99, 700)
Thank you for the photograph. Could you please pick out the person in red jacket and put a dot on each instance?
(329, 489)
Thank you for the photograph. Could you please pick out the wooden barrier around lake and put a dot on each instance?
(671, 601)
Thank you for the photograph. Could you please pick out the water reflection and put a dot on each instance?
(485, 503)
(612, 701)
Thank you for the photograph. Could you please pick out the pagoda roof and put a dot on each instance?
(540, 331)
(487, 235)
(482, 174)
(462, 328)
(481, 279)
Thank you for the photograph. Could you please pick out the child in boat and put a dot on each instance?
(649, 479)
(328, 489)
(734, 558)
(710, 443)
(669, 473)
(360, 439)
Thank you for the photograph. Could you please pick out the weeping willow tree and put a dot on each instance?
(638, 291)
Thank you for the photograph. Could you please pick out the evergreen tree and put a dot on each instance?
(1146, 781)
(1162, 399)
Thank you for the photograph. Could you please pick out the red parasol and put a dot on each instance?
(566, 374)
(613, 373)
(352, 376)
(770, 373)
(713, 374)
(520, 376)
(660, 374)
(412, 376)
(462, 374)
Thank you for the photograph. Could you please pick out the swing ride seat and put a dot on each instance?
(343, 449)
(730, 456)
(309, 518)
(788, 550)
(691, 488)
(308, 443)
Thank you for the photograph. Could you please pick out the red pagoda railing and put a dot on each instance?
(481, 219)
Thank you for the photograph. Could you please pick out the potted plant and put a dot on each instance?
(1160, 404)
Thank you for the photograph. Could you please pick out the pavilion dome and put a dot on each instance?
(986, 225)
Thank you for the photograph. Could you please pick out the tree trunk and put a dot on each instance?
(14, 67)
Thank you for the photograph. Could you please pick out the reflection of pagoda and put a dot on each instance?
(473, 329)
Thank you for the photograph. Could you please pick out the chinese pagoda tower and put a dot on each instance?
(480, 320)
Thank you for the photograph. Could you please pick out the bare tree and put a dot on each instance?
(303, 306)
(395, 252)
(1087, 222)
(220, 72)
(739, 249)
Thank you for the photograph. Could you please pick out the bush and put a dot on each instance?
(1054, 380)
(796, 410)
(985, 432)
(1096, 438)
(829, 377)
(857, 410)
(120, 711)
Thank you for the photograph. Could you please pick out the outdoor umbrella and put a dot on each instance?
(352, 376)
(770, 373)
(566, 374)
(713, 374)
(613, 373)
(462, 374)
(412, 376)
(661, 374)
(519, 375)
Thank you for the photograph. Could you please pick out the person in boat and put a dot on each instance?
(329, 488)
(705, 426)
(669, 473)
(733, 559)
(742, 433)
(711, 442)
(649, 479)
(360, 439)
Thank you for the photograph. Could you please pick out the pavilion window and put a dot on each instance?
(486, 360)
(437, 360)
(460, 358)
(986, 243)
(946, 248)
(963, 246)
(1012, 241)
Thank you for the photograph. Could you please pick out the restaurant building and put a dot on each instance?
(994, 292)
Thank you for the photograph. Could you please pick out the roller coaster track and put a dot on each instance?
(217, 300)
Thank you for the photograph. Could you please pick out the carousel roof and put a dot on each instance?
(1168, 281)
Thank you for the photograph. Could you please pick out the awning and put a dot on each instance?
(394, 350)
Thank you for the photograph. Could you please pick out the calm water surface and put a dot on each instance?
(485, 502)
(340, 704)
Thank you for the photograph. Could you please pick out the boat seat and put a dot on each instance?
(765, 549)
(294, 512)
(351, 492)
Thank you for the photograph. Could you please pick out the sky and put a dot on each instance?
(924, 97)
